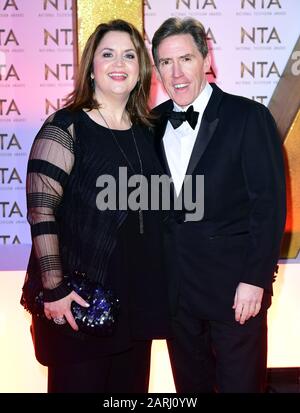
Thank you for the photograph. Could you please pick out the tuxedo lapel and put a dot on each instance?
(165, 164)
(164, 159)
(207, 128)
(160, 129)
(204, 136)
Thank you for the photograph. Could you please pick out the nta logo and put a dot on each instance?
(196, 4)
(9, 3)
(262, 4)
(262, 35)
(260, 69)
(57, 4)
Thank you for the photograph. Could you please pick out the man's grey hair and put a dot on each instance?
(174, 26)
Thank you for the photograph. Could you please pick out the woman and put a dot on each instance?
(104, 127)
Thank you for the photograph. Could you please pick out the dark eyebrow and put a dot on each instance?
(180, 57)
(186, 55)
(164, 58)
(111, 50)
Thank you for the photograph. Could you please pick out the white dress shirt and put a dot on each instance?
(179, 143)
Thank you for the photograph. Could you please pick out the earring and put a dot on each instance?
(92, 82)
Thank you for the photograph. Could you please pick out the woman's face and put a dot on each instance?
(115, 66)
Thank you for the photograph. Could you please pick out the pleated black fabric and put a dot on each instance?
(69, 233)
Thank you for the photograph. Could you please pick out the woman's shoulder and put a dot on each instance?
(144, 134)
(143, 130)
(62, 118)
(146, 140)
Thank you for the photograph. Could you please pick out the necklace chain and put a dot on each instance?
(141, 220)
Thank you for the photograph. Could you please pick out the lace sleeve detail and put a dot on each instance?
(50, 163)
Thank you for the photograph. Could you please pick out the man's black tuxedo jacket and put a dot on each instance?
(239, 152)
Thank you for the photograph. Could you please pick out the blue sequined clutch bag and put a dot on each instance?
(99, 319)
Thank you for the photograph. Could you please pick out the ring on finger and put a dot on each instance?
(59, 320)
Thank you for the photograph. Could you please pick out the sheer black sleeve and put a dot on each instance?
(50, 163)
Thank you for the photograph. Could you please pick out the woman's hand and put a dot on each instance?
(61, 309)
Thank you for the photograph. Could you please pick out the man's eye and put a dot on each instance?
(164, 62)
(186, 59)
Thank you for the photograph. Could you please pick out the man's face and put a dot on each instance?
(182, 68)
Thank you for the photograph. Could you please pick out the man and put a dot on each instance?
(221, 267)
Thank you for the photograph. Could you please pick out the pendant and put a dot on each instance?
(141, 221)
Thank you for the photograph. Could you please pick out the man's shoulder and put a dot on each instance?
(242, 103)
(244, 108)
(163, 107)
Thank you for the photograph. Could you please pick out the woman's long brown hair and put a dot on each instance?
(83, 93)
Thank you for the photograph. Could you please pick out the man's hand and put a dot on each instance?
(247, 301)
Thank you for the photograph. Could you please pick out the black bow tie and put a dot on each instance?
(176, 118)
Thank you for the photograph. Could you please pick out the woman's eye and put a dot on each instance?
(107, 54)
(130, 56)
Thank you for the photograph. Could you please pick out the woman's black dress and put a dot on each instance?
(70, 233)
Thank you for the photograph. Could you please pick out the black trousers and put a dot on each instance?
(218, 356)
(126, 372)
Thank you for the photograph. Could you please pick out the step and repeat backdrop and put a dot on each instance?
(250, 41)
(36, 72)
